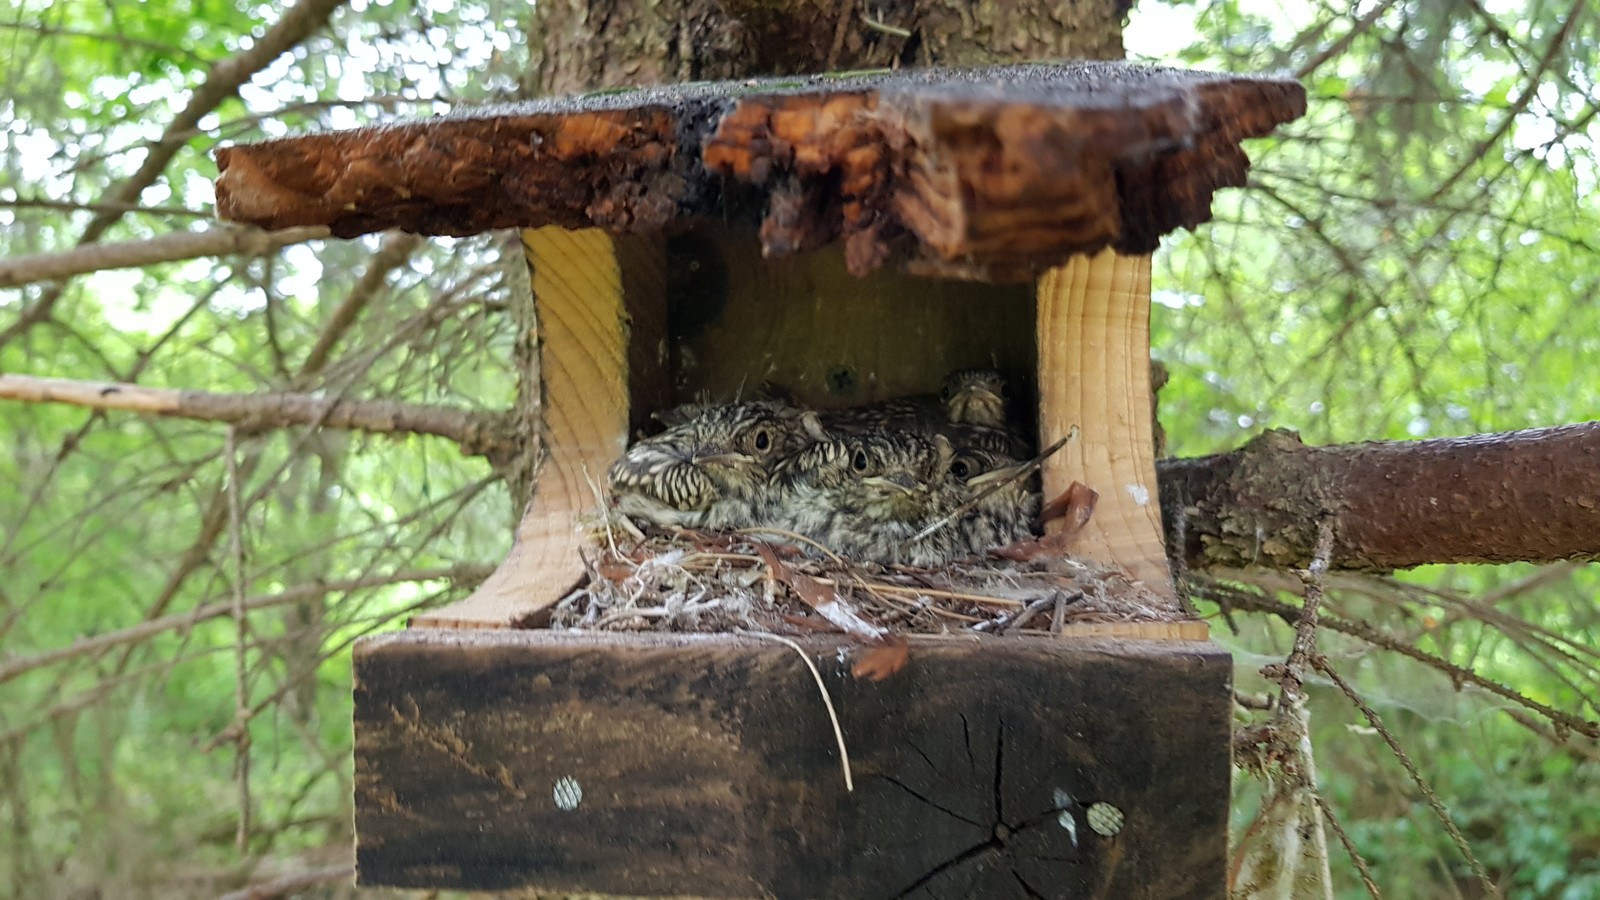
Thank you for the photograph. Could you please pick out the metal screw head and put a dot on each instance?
(568, 793)
(1105, 819)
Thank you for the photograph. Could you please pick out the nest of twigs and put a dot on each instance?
(762, 580)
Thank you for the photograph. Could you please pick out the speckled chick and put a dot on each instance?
(711, 470)
(864, 495)
(970, 410)
(998, 500)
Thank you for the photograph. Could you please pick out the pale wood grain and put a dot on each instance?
(585, 323)
(1094, 372)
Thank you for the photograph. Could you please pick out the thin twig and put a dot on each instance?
(93, 646)
(175, 246)
(884, 27)
(1305, 631)
(1349, 847)
(1558, 42)
(833, 717)
(292, 884)
(476, 432)
(1230, 597)
(1321, 664)
(1022, 471)
(223, 80)
(241, 708)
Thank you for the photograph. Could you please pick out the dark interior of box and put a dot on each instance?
(802, 323)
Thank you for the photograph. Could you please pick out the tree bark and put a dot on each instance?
(1524, 496)
(589, 44)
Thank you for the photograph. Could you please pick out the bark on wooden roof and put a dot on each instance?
(994, 173)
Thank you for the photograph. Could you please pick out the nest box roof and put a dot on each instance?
(992, 173)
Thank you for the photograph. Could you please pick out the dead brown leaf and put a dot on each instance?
(884, 660)
(819, 597)
(1075, 504)
(1074, 507)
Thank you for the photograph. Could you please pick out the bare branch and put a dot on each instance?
(392, 253)
(180, 245)
(291, 884)
(1234, 598)
(1434, 803)
(467, 573)
(477, 433)
(69, 206)
(1558, 43)
(223, 80)
(1396, 504)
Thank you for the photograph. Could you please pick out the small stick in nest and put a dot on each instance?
(1023, 471)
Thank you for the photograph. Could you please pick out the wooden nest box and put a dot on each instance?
(852, 239)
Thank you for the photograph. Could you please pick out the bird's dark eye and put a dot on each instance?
(859, 461)
(763, 440)
(960, 469)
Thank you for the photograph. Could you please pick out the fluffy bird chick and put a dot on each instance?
(974, 397)
(866, 495)
(970, 410)
(713, 469)
(990, 500)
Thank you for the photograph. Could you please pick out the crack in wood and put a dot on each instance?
(950, 812)
(992, 845)
(999, 771)
(1032, 892)
(966, 740)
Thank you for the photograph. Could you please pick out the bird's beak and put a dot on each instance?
(707, 458)
(964, 402)
(997, 476)
(899, 482)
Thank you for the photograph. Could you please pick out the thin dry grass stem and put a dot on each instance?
(1321, 664)
(798, 539)
(1026, 470)
(241, 643)
(827, 700)
(935, 592)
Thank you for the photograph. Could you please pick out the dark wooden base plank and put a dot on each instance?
(707, 767)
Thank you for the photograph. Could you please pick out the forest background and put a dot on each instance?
(1415, 258)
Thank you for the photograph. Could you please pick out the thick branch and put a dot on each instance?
(478, 434)
(1524, 496)
(180, 245)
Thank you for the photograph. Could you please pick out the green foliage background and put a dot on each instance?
(1415, 258)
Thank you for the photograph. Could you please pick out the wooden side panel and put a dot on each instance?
(587, 304)
(1094, 372)
(705, 765)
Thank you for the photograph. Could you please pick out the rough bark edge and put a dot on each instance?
(990, 173)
